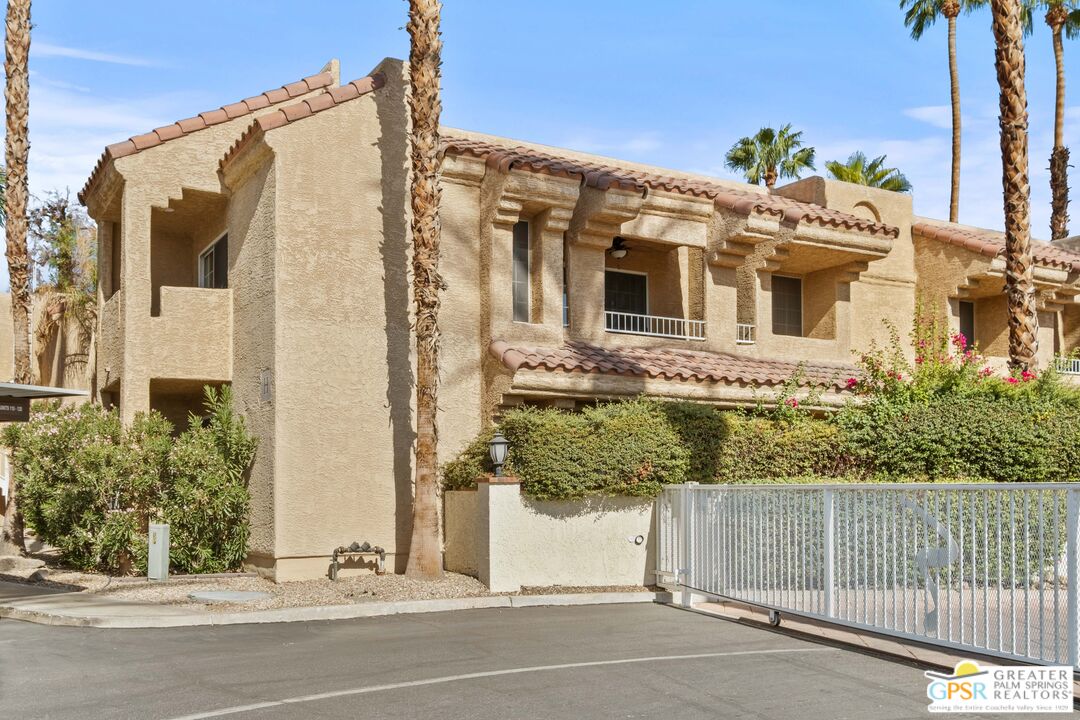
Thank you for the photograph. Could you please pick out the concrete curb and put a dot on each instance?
(326, 612)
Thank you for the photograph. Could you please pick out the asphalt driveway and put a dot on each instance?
(615, 661)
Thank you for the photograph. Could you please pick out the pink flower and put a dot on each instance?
(1011, 380)
(851, 383)
(919, 360)
(986, 372)
(792, 402)
(1027, 375)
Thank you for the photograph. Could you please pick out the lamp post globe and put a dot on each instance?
(497, 448)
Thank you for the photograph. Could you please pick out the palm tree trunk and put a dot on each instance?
(16, 152)
(1019, 285)
(425, 556)
(954, 89)
(1059, 156)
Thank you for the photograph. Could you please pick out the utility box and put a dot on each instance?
(157, 566)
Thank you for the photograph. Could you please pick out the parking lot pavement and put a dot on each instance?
(623, 661)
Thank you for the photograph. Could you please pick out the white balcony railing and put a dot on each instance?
(1068, 366)
(654, 326)
(744, 334)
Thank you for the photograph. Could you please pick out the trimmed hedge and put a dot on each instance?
(635, 447)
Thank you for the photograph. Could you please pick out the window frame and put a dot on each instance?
(211, 247)
(802, 304)
(960, 305)
(516, 283)
(627, 272)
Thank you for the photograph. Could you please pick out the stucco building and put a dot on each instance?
(265, 244)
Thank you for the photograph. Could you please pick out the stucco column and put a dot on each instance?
(135, 311)
(720, 302)
(497, 502)
(586, 291)
(550, 227)
(763, 314)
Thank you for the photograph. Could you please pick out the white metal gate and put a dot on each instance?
(987, 568)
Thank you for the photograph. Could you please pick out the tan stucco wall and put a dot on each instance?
(181, 174)
(319, 304)
(511, 541)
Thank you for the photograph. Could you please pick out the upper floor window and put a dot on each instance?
(214, 265)
(787, 306)
(966, 310)
(626, 292)
(521, 287)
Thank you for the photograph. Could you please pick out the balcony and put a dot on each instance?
(653, 326)
(192, 338)
(1067, 365)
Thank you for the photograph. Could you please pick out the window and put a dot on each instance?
(521, 272)
(626, 292)
(214, 265)
(565, 284)
(967, 320)
(786, 306)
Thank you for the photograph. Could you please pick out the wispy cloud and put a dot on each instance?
(937, 115)
(627, 145)
(42, 49)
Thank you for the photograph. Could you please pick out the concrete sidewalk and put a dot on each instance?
(51, 606)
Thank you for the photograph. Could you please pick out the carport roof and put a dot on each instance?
(16, 390)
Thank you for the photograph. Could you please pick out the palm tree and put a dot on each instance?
(425, 557)
(1019, 285)
(872, 173)
(920, 15)
(16, 191)
(1061, 15)
(770, 155)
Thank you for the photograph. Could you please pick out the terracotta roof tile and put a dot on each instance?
(257, 103)
(669, 364)
(202, 121)
(992, 244)
(604, 177)
(235, 110)
(305, 108)
(214, 117)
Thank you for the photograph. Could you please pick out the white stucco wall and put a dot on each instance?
(510, 541)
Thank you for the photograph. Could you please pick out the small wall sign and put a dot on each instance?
(14, 409)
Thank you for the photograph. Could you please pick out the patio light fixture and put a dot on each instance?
(618, 248)
(497, 448)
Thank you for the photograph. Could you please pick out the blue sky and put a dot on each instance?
(673, 84)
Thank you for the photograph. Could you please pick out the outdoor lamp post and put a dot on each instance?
(497, 448)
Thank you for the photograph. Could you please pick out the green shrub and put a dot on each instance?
(206, 505)
(635, 447)
(89, 486)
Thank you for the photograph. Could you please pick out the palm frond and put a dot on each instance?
(873, 173)
(770, 152)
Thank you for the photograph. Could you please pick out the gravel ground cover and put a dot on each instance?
(306, 593)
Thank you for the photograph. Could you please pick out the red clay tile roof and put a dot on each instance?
(992, 244)
(668, 363)
(204, 120)
(305, 108)
(604, 177)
